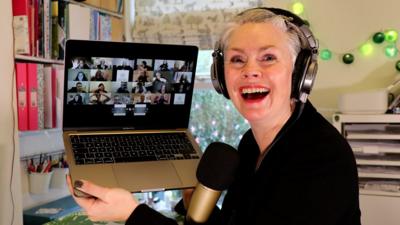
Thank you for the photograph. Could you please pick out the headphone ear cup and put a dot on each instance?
(300, 72)
(217, 73)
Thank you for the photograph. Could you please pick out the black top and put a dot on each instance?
(308, 177)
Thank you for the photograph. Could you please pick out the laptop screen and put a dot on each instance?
(120, 85)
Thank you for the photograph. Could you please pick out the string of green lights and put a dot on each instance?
(388, 37)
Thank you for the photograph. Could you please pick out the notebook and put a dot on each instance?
(126, 114)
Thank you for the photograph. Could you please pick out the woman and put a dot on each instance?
(99, 95)
(98, 76)
(76, 100)
(80, 76)
(295, 167)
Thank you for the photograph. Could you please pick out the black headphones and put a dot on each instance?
(305, 67)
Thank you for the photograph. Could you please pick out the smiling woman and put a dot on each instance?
(262, 63)
(267, 71)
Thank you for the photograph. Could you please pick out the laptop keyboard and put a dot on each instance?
(116, 148)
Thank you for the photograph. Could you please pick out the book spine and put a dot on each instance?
(48, 114)
(22, 28)
(32, 97)
(31, 19)
(39, 25)
(21, 34)
(21, 82)
(54, 30)
(61, 32)
(105, 25)
(40, 95)
(60, 94)
(54, 97)
(47, 28)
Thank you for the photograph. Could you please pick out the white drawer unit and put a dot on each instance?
(375, 140)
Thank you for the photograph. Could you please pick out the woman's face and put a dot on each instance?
(80, 76)
(258, 71)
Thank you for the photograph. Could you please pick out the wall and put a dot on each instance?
(343, 26)
(8, 212)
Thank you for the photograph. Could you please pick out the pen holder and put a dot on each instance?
(58, 180)
(39, 182)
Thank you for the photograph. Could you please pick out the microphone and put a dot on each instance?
(215, 173)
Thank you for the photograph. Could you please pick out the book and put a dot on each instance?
(59, 70)
(105, 27)
(54, 30)
(37, 27)
(32, 97)
(47, 100)
(117, 29)
(47, 29)
(78, 22)
(22, 106)
(53, 97)
(61, 27)
(40, 95)
(21, 34)
(94, 25)
(22, 26)
(53, 211)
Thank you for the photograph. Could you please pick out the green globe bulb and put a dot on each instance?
(398, 65)
(391, 51)
(391, 36)
(367, 49)
(378, 37)
(298, 8)
(348, 58)
(326, 54)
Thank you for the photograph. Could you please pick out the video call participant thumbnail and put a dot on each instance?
(78, 88)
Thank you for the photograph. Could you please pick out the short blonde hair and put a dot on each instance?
(263, 15)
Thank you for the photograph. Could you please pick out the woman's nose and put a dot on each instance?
(251, 70)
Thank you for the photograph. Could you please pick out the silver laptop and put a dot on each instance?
(126, 114)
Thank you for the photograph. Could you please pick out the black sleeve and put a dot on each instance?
(214, 219)
(144, 215)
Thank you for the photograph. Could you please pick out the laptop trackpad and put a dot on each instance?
(139, 176)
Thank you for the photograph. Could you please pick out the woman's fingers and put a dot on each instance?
(85, 203)
(91, 188)
(187, 195)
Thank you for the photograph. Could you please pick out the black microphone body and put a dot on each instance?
(215, 173)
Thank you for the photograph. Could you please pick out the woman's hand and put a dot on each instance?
(186, 196)
(107, 204)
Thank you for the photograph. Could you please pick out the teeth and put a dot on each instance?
(253, 90)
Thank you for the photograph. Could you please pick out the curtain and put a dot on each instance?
(191, 22)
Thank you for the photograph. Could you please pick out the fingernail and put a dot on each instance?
(78, 184)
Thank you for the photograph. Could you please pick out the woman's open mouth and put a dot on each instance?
(254, 93)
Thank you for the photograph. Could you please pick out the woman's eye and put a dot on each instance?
(268, 57)
(237, 59)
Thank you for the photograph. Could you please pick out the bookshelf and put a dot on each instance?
(105, 11)
(30, 141)
(34, 142)
(25, 58)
